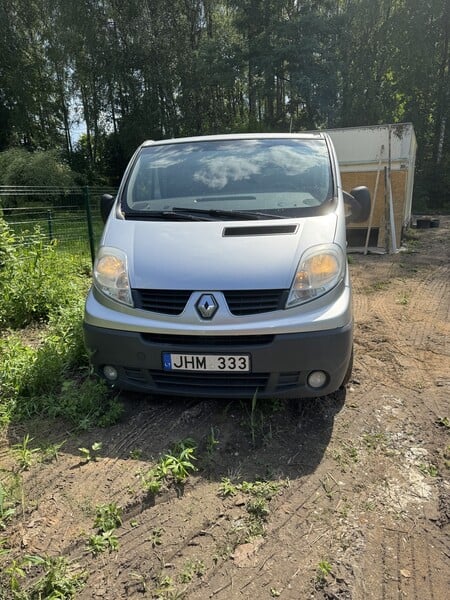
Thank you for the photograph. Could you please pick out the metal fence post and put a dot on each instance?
(50, 225)
(89, 223)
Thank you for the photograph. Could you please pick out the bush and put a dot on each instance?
(52, 378)
(35, 279)
(20, 167)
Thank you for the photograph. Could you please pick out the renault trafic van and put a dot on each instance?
(222, 269)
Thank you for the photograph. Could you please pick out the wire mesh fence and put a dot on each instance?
(69, 218)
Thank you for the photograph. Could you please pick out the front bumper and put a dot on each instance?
(280, 364)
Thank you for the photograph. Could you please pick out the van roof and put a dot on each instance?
(238, 136)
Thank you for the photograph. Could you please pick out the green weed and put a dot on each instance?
(403, 300)
(24, 454)
(259, 417)
(151, 483)
(86, 404)
(35, 280)
(60, 579)
(91, 454)
(13, 574)
(346, 455)
(377, 286)
(444, 422)
(7, 506)
(324, 568)
(100, 542)
(226, 488)
(166, 589)
(211, 442)
(177, 466)
(41, 285)
(174, 466)
(429, 469)
(258, 508)
(109, 516)
(135, 454)
(51, 451)
(156, 537)
(373, 441)
(261, 489)
(260, 493)
(193, 568)
(36, 381)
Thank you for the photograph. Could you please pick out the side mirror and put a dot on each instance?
(357, 204)
(106, 204)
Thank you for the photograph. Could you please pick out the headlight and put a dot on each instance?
(320, 269)
(111, 275)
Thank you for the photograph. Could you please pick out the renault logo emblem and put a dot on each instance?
(207, 306)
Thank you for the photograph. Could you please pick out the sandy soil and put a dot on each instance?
(359, 507)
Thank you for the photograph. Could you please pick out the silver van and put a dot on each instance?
(222, 269)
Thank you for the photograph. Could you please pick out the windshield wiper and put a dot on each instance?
(225, 214)
(162, 215)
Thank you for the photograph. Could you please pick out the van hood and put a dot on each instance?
(201, 256)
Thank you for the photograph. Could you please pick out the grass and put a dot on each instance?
(324, 568)
(258, 418)
(346, 455)
(403, 300)
(46, 288)
(45, 373)
(7, 505)
(258, 493)
(191, 569)
(24, 454)
(52, 578)
(374, 441)
(377, 286)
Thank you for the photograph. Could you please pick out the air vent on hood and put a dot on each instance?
(260, 230)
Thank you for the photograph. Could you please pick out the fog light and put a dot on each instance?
(317, 379)
(110, 373)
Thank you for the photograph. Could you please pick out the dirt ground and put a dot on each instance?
(360, 504)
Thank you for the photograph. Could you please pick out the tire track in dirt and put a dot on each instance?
(207, 530)
(77, 487)
(306, 528)
(410, 565)
(405, 322)
(429, 308)
(300, 532)
(289, 532)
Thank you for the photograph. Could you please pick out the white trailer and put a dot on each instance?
(382, 157)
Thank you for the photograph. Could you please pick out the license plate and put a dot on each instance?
(219, 363)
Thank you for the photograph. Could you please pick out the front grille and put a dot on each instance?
(205, 384)
(167, 302)
(252, 302)
(240, 302)
(192, 341)
(213, 383)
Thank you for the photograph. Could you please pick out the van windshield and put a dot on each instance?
(237, 178)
